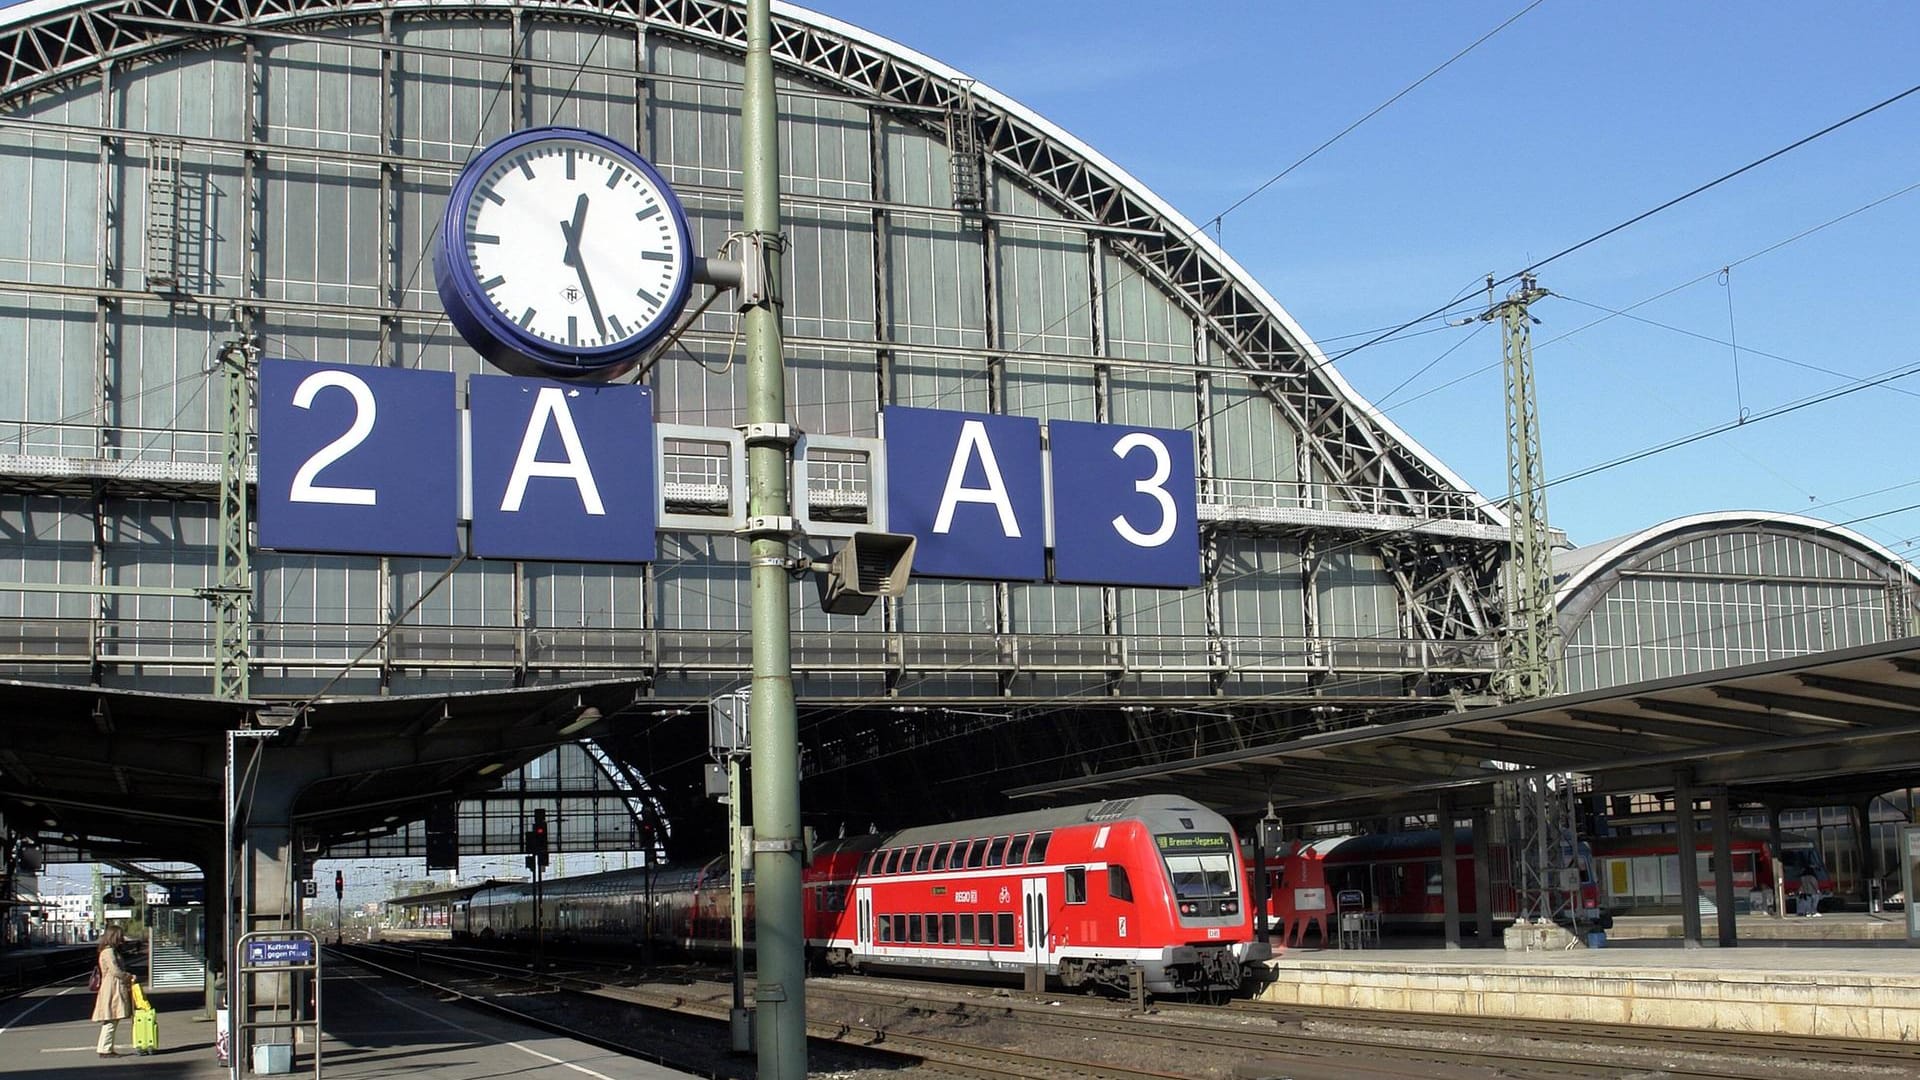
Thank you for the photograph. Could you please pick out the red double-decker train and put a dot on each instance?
(1089, 894)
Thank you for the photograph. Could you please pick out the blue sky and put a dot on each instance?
(1576, 117)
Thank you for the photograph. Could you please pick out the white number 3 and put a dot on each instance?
(304, 489)
(1152, 485)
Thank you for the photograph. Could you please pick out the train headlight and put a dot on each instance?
(1228, 907)
(1186, 909)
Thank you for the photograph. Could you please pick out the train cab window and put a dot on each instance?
(996, 850)
(921, 860)
(899, 928)
(913, 929)
(977, 854)
(1118, 886)
(886, 929)
(1017, 853)
(1005, 935)
(947, 929)
(966, 928)
(940, 854)
(1038, 852)
(1076, 884)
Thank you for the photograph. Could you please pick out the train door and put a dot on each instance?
(863, 920)
(1033, 896)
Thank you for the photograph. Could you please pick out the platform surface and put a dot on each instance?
(1839, 975)
(375, 1029)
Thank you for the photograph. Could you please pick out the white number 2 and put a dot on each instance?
(1153, 485)
(304, 489)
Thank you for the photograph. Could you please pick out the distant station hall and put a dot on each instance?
(349, 542)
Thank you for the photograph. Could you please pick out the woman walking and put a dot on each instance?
(114, 1001)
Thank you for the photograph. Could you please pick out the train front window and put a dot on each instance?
(1200, 865)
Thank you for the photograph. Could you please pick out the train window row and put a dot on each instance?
(990, 928)
(970, 854)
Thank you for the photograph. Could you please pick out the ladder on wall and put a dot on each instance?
(163, 214)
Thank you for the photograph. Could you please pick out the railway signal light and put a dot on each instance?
(339, 885)
(537, 838)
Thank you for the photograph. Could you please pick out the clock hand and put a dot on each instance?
(572, 231)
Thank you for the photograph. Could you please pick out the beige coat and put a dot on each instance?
(115, 999)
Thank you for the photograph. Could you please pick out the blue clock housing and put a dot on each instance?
(510, 344)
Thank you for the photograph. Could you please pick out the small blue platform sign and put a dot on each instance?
(282, 951)
(1124, 505)
(562, 471)
(358, 459)
(969, 486)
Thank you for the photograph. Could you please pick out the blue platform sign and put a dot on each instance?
(561, 471)
(358, 459)
(1124, 505)
(287, 951)
(969, 486)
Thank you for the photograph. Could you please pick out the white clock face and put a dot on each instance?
(573, 244)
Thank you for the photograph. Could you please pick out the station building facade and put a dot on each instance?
(187, 173)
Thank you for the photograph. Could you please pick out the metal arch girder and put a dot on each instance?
(70, 43)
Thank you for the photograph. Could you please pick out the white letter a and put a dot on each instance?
(973, 440)
(552, 405)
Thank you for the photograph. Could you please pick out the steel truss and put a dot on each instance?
(1350, 455)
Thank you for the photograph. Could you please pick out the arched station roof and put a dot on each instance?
(1580, 566)
(46, 44)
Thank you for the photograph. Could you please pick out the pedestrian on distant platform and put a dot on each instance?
(114, 1000)
(1809, 894)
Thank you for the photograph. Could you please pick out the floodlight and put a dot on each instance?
(872, 564)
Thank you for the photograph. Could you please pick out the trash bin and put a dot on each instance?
(272, 1058)
(1596, 939)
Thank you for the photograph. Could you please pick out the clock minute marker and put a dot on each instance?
(493, 196)
(493, 283)
(613, 180)
(570, 156)
(482, 238)
(526, 167)
(657, 256)
(526, 318)
(644, 214)
(647, 296)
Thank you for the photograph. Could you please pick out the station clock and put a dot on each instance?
(562, 254)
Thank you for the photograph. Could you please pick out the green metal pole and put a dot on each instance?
(780, 998)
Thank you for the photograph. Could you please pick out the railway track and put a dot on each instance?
(56, 968)
(952, 1057)
(880, 1014)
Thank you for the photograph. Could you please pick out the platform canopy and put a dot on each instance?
(1802, 730)
(122, 772)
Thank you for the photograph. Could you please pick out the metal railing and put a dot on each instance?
(330, 646)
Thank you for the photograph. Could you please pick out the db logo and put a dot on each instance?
(1006, 895)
